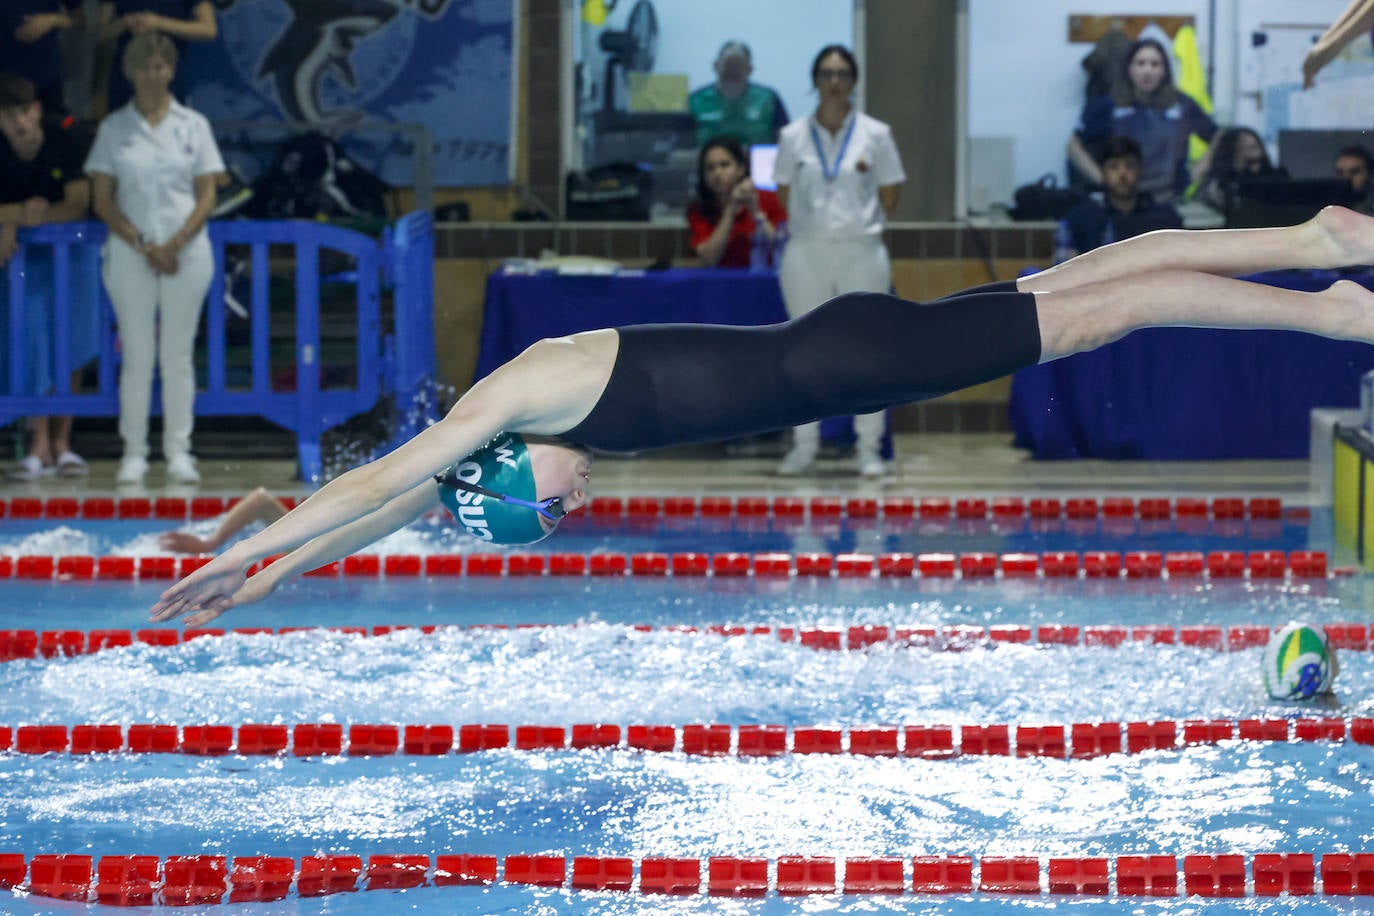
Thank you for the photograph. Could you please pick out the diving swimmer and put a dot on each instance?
(515, 453)
(1356, 19)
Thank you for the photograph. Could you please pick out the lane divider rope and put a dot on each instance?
(16, 645)
(1080, 740)
(1060, 564)
(1221, 508)
(145, 880)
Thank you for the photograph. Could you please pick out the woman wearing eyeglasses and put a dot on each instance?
(838, 175)
(513, 455)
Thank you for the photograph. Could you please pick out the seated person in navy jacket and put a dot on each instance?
(1123, 210)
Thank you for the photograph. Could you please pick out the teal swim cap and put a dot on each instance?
(502, 467)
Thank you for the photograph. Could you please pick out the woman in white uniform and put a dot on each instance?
(153, 169)
(838, 175)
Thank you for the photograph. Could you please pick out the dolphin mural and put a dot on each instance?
(319, 40)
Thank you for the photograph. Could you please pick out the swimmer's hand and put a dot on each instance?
(1310, 65)
(185, 542)
(1321, 54)
(210, 588)
(254, 590)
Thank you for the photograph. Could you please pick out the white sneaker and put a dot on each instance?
(869, 464)
(797, 462)
(132, 470)
(181, 468)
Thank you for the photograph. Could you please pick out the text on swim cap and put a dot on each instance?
(470, 513)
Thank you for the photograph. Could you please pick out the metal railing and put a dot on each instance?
(396, 362)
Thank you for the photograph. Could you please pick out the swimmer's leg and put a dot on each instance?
(1335, 237)
(1086, 317)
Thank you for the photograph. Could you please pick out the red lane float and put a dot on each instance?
(1074, 741)
(18, 645)
(1093, 564)
(641, 508)
(187, 880)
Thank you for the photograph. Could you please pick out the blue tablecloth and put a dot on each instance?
(1184, 393)
(523, 308)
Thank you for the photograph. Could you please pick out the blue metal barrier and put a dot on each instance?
(399, 364)
(408, 249)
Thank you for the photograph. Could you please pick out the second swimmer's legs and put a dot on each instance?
(1087, 317)
(1335, 237)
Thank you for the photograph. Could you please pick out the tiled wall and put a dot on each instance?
(929, 260)
(1029, 242)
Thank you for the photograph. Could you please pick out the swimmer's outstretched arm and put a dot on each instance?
(546, 390)
(257, 506)
(327, 548)
(1356, 19)
(349, 497)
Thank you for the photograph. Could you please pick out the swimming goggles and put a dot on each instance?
(551, 508)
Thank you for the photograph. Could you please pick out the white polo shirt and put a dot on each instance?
(830, 200)
(154, 168)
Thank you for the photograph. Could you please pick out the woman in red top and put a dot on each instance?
(728, 208)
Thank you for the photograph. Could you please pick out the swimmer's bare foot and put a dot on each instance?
(1351, 308)
(1346, 237)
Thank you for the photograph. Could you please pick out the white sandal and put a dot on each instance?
(31, 468)
(70, 464)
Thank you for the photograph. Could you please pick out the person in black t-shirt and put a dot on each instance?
(180, 20)
(41, 181)
(30, 47)
(1124, 210)
(1354, 164)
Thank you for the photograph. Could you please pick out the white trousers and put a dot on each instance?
(814, 271)
(157, 315)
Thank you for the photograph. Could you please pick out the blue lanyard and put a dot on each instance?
(832, 174)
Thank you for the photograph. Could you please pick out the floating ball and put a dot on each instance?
(1299, 663)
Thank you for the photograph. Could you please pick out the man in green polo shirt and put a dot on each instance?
(734, 106)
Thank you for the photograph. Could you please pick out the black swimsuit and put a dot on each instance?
(674, 384)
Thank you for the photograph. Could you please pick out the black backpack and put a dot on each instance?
(311, 176)
(615, 192)
(1044, 200)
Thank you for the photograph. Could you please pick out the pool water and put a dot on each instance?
(591, 664)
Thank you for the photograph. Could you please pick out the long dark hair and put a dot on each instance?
(1224, 156)
(706, 198)
(1165, 94)
(841, 50)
